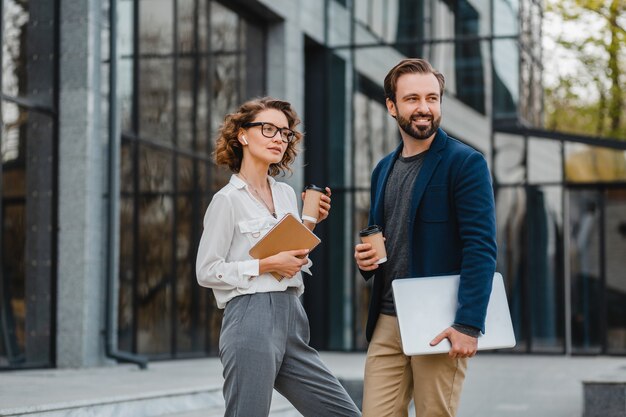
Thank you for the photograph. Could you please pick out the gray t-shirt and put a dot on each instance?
(397, 205)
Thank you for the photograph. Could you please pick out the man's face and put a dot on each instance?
(418, 105)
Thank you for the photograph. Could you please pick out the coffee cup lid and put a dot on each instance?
(371, 230)
(315, 188)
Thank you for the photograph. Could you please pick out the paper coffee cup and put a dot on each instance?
(374, 236)
(311, 209)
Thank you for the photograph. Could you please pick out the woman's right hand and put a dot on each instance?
(287, 263)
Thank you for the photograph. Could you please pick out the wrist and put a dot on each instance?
(466, 330)
(266, 265)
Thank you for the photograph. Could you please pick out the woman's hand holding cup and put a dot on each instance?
(316, 205)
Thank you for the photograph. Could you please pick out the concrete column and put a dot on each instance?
(82, 176)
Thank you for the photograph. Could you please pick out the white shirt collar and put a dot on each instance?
(239, 183)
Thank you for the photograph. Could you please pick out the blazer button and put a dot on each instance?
(220, 276)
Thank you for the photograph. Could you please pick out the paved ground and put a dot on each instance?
(497, 385)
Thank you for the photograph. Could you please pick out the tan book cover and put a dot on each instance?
(288, 234)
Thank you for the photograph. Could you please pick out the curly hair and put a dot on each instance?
(228, 149)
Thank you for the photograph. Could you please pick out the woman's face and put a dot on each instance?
(268, 150)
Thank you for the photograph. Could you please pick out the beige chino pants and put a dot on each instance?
(391, 377)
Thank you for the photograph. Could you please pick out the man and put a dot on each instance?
(434, 199)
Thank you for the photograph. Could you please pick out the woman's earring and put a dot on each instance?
(243, 138)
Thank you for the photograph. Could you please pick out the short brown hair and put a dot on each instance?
(410, 66)
(228, 149)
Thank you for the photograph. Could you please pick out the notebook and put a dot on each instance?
(288, 234)
(427, 306)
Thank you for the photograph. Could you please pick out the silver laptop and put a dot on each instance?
(427, 306)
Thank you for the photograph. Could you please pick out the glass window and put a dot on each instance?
(27, 191)
(362, 288)
(28, 50)
(154, 279)
(544, 226)
(544, 161)
(376, 135)
(615, 246)
(529, 233)
(469, 74)
(156, 99)
(584, 163)
(510, 217)
(585, 270)
(180, 93)
(510, 157)
(398, 22)
(506, 78)
(156, 27)
(505, 17)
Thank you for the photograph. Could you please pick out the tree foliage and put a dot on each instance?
(590, 99)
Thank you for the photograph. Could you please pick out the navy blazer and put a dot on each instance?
(452, 224)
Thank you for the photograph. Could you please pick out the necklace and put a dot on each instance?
(259, 196)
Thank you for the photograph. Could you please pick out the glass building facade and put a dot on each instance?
(167, 73)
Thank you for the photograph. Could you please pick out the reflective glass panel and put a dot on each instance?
(544, 161)
(156, 27)
(584, 259)
(505, 17)
(376, 135)
(584, 163)
(155, 170)
(506, 78)
(362, 288)
(156, 100)
(155, 274)
(544, 226)
(187, 294)
(125, 64)
(27, 224)
(510, 157)
(187, 94)
(511, 218)
(28, 50)
(615, 244)
(126, 300)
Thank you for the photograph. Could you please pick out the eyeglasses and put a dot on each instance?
(269, 131)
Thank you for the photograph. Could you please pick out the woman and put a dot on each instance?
(265, 331)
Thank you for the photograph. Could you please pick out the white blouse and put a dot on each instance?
(234, 221)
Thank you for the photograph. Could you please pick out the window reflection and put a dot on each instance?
(155, 274)
(506, 78)
(584, 258)
(167, 154)
(544, 161)
(505, 17)
(529, 234)
(615, 244)
(510, 153)
(376, 135)
(585, 163)
(156, 27)
(510, 217)
(156, 100)
(27, 190)
(545, 230)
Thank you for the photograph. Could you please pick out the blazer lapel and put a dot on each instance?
(426, 172)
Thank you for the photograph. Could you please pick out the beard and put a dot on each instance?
(419, 132)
